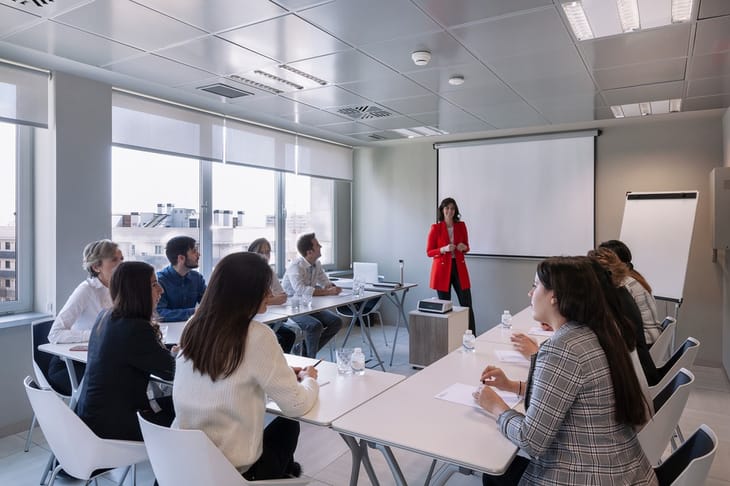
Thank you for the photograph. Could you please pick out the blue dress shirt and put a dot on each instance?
(181, 294)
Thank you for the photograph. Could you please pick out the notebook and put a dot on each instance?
(366, 272)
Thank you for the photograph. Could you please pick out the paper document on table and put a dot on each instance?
(345, 293)
(538, 331)
(462, 394)
(511, 357)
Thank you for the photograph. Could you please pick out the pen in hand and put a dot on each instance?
(315, 364)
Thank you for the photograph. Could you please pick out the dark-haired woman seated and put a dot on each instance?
(125, 348)
(582, 397)
(229, 362)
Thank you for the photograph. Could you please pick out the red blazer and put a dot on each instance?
(441, 266)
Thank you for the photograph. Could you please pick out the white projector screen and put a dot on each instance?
(523, 197)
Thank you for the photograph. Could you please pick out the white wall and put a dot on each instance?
(724, 257)
(394, 202)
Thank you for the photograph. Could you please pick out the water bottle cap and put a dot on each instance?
(505, 312)
(357, 350)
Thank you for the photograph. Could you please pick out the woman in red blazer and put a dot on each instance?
(448, 242)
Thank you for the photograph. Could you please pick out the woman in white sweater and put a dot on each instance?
(228, 365)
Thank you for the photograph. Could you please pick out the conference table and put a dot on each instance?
(410, 416)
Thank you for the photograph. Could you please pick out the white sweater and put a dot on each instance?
(231, 410)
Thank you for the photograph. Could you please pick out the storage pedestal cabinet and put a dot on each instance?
(433, 336)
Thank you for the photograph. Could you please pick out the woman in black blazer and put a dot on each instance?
(125, 347)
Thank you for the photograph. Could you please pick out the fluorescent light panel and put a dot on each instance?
(647, 108)
(601, 18)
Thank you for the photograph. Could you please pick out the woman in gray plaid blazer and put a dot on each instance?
(582, 399)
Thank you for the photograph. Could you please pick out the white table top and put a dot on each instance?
(338, 394)
(521, 322)
(320, 303)
(346, 283)
(408, 415)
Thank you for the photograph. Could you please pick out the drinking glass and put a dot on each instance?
(344, 355)
(163, 331)
(307, 296)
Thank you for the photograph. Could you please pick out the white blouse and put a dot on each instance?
(74, 322)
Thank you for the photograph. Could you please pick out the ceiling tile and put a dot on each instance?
(130, 23)
(285, 39)
(300, 4)
(510, 115)
(451, 119)
(706, 102)
(571, 112)
(391, 87)
(64, 41)
(348, 128)
(539, 64)
(393, 122)
(671, 41)
(158, 70)
(13, 20)
(378, 136)
(573, 103)
(343, 67)
(643, 73)
(437, 80)
(714, 8)
(649, 92)
(361, 22)
(524, 33)
(272, 105)
(416, 104)
(444, 49)
(576, 84)
(713, 35)
(216, 15)
(326, 97)
(709, 66)
(455, 12)
(316, 118)
(709, 86)
(216, 55)
(480, 96)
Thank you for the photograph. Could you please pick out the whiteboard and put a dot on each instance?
(523, 197)
(657, 227)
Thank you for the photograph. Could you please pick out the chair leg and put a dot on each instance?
(53, 475)
(124, 475)
(49, 468)
(30, 434)
(382, 327)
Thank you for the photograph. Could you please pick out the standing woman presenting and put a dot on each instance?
(448, 242)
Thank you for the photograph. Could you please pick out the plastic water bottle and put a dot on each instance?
(468, 341)
(357, 362)
(506, 320)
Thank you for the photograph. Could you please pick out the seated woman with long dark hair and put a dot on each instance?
(229, 363)
(125, 348)
(582, 397)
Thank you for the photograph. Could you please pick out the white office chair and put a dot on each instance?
(662, 350)
(668, 406)
(80, 453)
(683, 357)
(690, 464)
(182, 457)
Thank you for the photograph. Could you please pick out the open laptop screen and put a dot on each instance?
(366, 272)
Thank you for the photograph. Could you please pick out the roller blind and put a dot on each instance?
(257, 146)
(322, 159)
(147, 124)
(23, 96)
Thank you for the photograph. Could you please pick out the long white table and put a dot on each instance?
(409, 416)
(521, 322)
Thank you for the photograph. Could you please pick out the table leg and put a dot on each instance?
(368, 465)
(359, 453)
(366, 330)
(75, 388)
(400, 480)
(400, 305)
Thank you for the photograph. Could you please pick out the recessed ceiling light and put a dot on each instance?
(646, 108)
(456, 80)
(578, 21)
(675, 105)
(628, 13)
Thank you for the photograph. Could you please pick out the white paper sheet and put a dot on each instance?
(513, 357)
(462, 394)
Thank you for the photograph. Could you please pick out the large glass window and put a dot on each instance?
(309, 205)
(154, 197)
(8, 208)
(244, 208)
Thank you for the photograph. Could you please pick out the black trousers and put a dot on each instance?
(58, 375)
(277, 459)
(464, 296)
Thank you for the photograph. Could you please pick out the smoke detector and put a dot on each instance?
(421, 58)
(456, 80)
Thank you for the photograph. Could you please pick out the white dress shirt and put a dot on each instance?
(300, 274)
(74, 322)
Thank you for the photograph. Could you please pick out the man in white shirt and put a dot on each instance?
(307, 271)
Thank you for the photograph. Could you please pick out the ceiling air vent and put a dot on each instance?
(363, 112)
(37, 3)
(221, 89)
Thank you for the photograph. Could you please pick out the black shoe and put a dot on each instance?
(294, 470)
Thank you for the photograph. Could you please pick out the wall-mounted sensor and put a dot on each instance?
(421, 58)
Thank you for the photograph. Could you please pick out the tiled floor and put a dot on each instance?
(325, 458)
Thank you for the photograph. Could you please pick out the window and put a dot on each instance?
(154, 197)
(15, 218)
(309, 208)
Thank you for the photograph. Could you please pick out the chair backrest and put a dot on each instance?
(661, 350)
(668, 407)
(41, 360)
(189, 457)
(690, 464)
(78, 450)
(683, 357)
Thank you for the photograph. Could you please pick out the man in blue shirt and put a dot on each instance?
(183, 286)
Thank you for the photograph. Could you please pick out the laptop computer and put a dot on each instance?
(365, 272)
